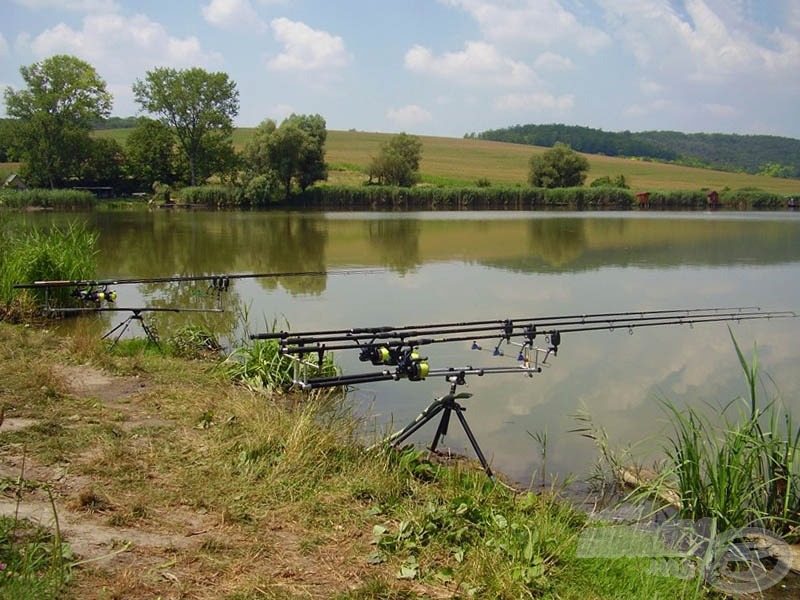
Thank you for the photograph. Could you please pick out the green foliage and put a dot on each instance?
(36, 255)
(454, 527)
(7, 137)
(453, 198)
(398, 161)
(63, 97)
(262, 190)
(293, 153)
(559, 167)
(743, 470)
(617, 181)
(103, 164)
(150, 153)
(116, 123)
(763, 154)
(582, 139)
(773, 169)
(44, 198)
(33, 561)
(213, 195)
(752, 199)
(261, 366)
(199, 108)
(194, 341)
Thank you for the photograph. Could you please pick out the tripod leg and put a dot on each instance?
(426, 415)
(442, 429)
(474, 442)
(123, 327)
(151, 336)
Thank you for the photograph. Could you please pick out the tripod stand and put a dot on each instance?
(447, 405)
(136, 315)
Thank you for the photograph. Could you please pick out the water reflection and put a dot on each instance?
(471, 266)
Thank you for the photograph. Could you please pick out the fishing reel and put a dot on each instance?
(408, 361)
(378, 355)
(97, 296)
(412, 365)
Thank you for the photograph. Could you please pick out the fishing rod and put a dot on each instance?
(506, 330)
(387, 331)
(188, 278)
(397, 347)
(98, 297)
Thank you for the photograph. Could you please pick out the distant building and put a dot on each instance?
(15, 182)
(713, 199)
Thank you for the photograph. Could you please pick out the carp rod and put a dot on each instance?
(369, 339)
(187, 278)
(397, 347)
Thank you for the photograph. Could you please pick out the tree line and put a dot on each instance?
(756, 154)
(186, 139)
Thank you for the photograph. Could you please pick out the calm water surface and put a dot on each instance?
(495, 265)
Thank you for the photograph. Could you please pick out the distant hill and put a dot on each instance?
(116, 123)
(757, 154)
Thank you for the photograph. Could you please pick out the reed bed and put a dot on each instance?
(44, 198)
(737, 464)
(58, 253)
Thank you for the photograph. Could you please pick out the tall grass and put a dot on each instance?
(740, 464)
(34, 562)
(261, 366)
(58, 253)
(44, 198)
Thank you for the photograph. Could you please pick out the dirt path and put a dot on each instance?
(178, 551)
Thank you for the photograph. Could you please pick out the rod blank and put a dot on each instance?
(179, 278)
(529, 329)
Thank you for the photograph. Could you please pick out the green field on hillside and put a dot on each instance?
(459, 162)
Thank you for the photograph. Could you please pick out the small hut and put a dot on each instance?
(15, 182)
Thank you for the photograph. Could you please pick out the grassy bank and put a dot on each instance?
(171, 481)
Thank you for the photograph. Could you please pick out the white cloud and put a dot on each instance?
(82, 6)
(409, 115)
(307, 49)
(724, 111)
(120, 46)
(549, 61)
(793, 17)
(536, 101)
(478, 64)
(701, 46)
(543, 22)
(650, 87)
(649, 108)
(3, 46)
(232, 14)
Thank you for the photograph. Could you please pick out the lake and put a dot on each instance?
(465, 266)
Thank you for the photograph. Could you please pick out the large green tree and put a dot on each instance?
(294, 153)
(199, 107)
(150, 154)
(560, 166)
(54, 112)
(398, 161)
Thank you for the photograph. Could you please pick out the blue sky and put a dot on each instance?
(445, 67)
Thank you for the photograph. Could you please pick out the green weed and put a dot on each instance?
(59, 253)
(262, 366)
